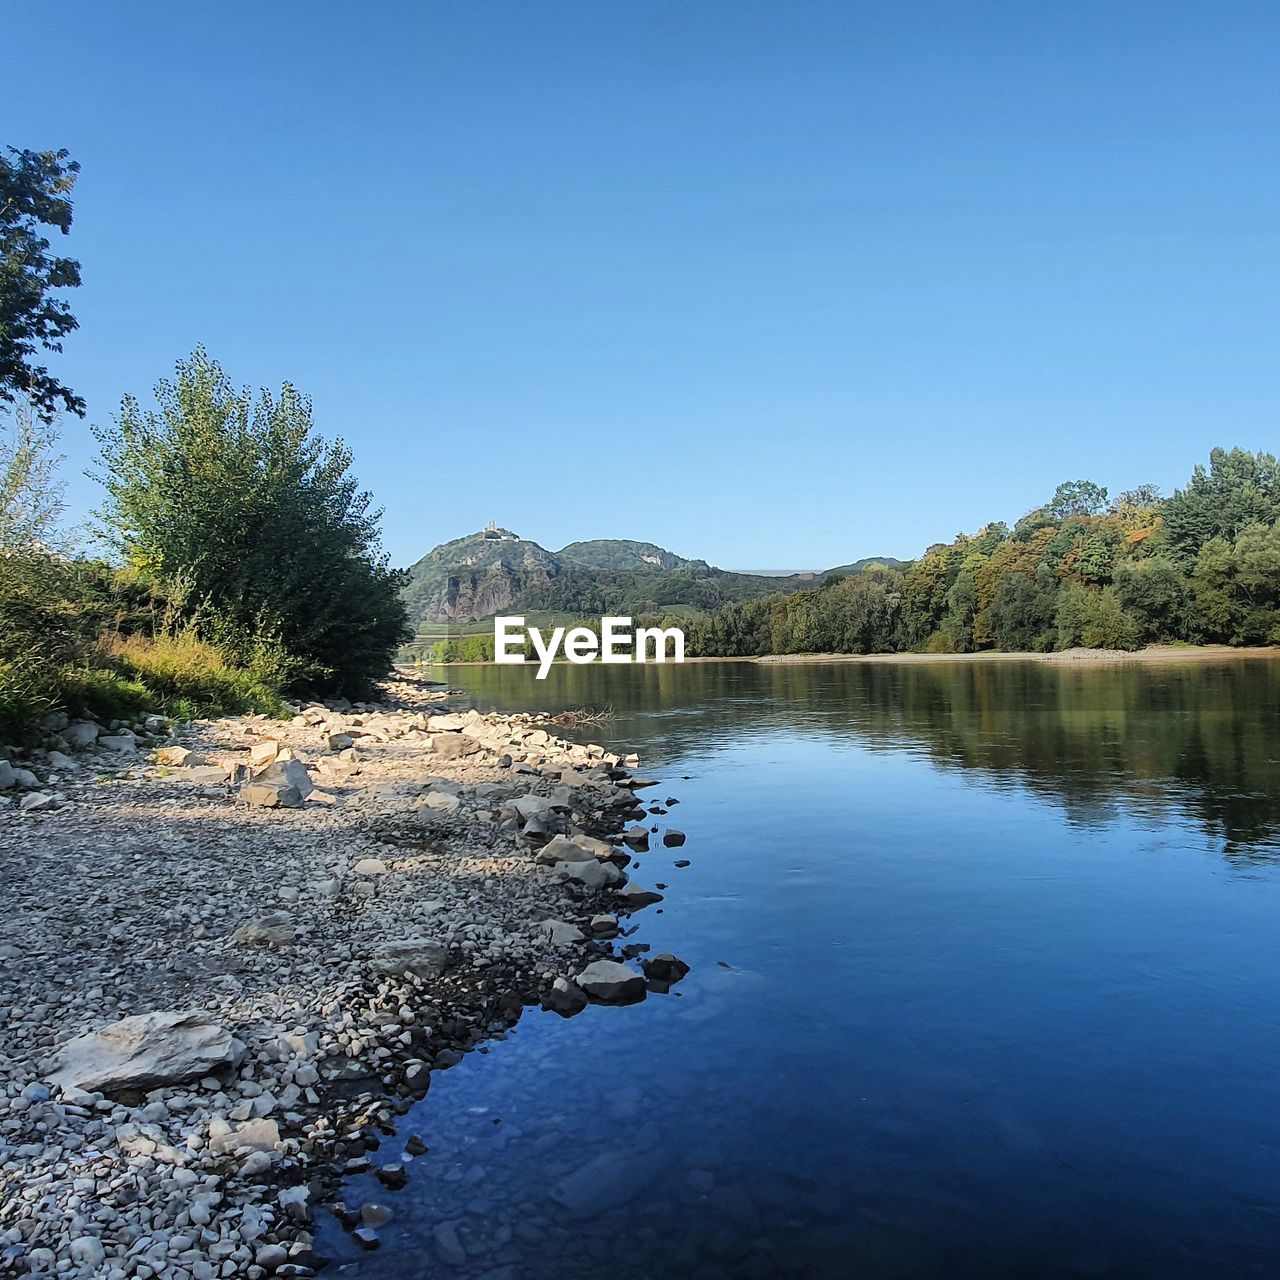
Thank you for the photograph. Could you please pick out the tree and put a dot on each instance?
(30, 493)
(258, 520)
(1078, 498)
(1140, 498)
(1155, 593)
(1238, 489)
(1020, 618)
(34, 191)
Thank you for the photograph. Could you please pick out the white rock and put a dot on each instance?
(146, 1051)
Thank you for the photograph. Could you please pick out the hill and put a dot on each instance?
(623, 554)
(496, 571)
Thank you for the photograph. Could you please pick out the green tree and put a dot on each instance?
(1157, 595)
(1020, 618)
(30, 491)
(1078, 498)
(1238, 489)
(35, 187)
(259, 520)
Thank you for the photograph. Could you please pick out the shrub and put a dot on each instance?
(186, 676)
(939, 642)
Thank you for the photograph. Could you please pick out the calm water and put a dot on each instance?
(985, 984)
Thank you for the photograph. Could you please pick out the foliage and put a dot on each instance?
(1237, 490)
(185, 675)
(240, 502)
(1202, 565)
(35, 188)
(30, 492)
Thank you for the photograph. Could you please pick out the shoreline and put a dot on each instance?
(316, 959)
(1152, 655)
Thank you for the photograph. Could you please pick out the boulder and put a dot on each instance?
(275, 930)
(448, 723)
(633, 896)
(560, 933)
(147, 1051)
(178, 757)
(593, 873)
(370, 867)
(451, 746)
(206, 774)
(673, 839)
(264, 753)
(119, 744)
(267, 795)
(664, 967)
(562, 849)
(421, 957)
(340, 741)
(531, 806)
(81, 733)
(6, 775)
(253, 1135)
(637, 838)
(608, 982)
(63, 763)
(565, 998)
(35, 801)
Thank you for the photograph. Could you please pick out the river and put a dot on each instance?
(985, 964)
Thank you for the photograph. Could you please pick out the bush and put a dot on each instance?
(939, 642)
(186, 676)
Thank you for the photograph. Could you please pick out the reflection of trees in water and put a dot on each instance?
(1088, 736)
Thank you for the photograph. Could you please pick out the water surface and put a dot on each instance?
(984, 985)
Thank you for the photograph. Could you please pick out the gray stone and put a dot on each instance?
(634, 896)
(275, 930)
(120, 744)
(562, 849)
(422, 957)
(6, 775)
(81, 733)
(593, 874)
(451, 746)
(63, 763)
(673, 839)
(146, 1051)
(561, 934)
(88, 1253)
(608, 982)
(565, 998)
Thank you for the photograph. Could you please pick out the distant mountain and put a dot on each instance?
(623, 554)
(496, 571)
(476, 577)
(848, 570)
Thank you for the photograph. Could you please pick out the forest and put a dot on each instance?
(1199, 567)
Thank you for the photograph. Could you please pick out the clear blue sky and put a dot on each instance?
(776, 285)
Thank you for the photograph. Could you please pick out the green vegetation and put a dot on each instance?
(35, 189)
(237, 501)
(1200, 567)
(623, 554)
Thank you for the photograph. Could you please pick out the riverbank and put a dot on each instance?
(285, 929)
(1153, 654)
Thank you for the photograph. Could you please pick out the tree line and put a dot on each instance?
(1200, 566)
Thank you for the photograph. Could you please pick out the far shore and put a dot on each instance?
(1153, 654)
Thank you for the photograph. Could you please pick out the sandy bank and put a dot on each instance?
(1154, 655)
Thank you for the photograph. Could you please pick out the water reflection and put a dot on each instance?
(974, 994)
(1201, 736)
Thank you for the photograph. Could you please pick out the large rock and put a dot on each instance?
(121, 744)
(146, 1052)
(634, 896)
(562, 849)
(452, 746)
(448, 723)
(6, 775)
(421, 957)
(609, 982)
(81, 733)
(560, 933)
(593, 874)
(565, 998)
(284, 784)
(178, 757)
(275, 930)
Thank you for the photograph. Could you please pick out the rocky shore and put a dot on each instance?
(232, 953)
